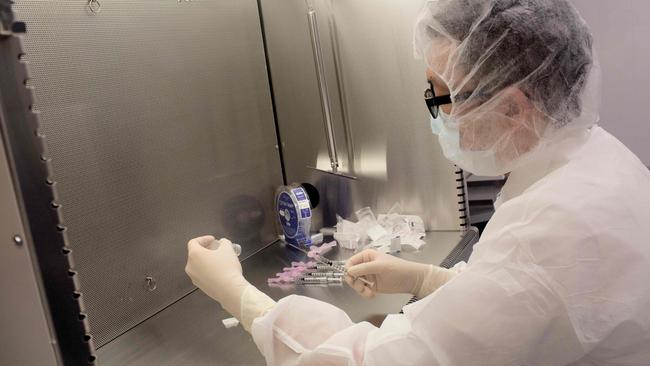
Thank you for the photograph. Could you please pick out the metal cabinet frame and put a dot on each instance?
(44, 234)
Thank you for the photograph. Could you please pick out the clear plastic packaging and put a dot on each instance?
(386, 233)
(347, 240)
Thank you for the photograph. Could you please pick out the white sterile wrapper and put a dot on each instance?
(376, 232)
(230, 322)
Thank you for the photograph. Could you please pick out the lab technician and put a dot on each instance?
(561, 275)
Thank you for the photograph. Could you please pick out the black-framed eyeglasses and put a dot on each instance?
(434, 102)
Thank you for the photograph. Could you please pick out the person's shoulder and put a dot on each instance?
(605, 156)
(603, 174)
(602, 189)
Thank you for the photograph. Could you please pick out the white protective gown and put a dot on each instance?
(561, 276)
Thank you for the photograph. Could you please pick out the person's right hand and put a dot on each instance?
(214, 267)
(390, 274)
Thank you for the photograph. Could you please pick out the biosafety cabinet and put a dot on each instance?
(129, 127)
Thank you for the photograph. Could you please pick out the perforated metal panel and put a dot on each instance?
(160, 128)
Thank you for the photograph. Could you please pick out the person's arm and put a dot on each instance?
(305, 331)
(493, 313)
(392, 275)
(214, 267)
(485, 316)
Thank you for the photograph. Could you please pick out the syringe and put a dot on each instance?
(331, 264)
(327, 274)
(320, 280)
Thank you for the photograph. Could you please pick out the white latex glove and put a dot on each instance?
(217, 272)
(393, 275)
(215, 269)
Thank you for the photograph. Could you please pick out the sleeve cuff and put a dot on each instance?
(436, 277)
(254, 303)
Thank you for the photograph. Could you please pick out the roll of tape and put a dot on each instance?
(294, 212)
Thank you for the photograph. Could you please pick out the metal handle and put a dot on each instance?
(322, 87)
(347, 128)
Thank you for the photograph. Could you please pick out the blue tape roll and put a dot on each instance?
(294, 212)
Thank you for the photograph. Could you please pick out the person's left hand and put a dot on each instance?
(214, 267)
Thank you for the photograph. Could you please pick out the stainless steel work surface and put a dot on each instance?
(190, 332)
(159, 125)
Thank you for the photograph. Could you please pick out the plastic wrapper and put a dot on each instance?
(387, 232)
